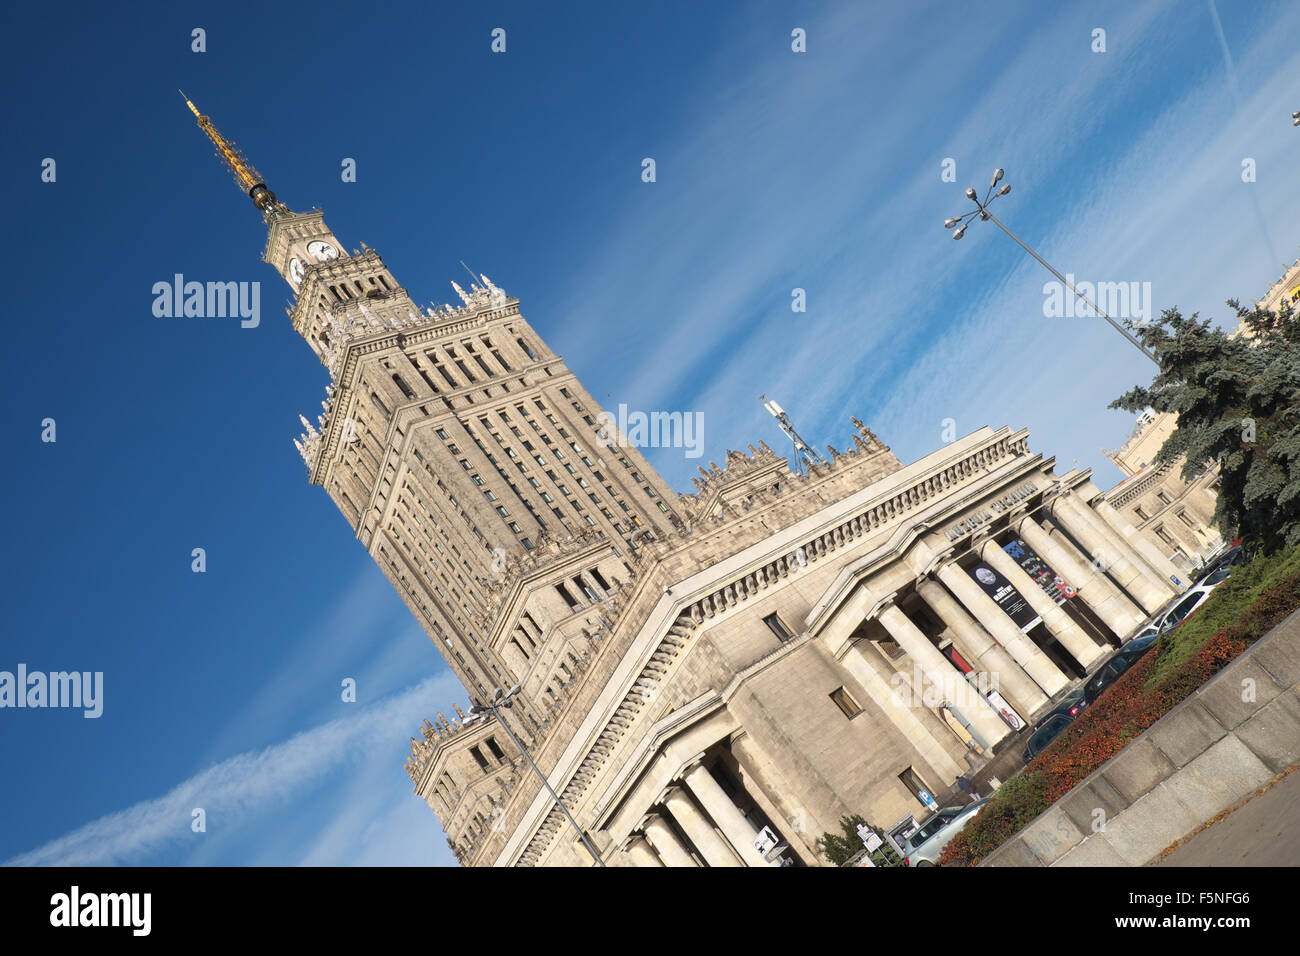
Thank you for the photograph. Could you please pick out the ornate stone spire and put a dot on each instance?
(246, 175)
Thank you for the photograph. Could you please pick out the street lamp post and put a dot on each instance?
(504, 700)
(982, 210)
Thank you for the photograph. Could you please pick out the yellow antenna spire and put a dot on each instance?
(246, 175)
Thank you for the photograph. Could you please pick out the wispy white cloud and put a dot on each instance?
(242, 787)
(904, 326)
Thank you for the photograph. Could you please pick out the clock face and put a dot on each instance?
(295, 271)
(320, 250)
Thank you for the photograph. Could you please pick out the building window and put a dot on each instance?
(845, 702)
(479, 758)
(777, 626)
(914, 783)
(495, 749)
(569, 599)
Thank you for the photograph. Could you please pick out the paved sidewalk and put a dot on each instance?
(1264, 831)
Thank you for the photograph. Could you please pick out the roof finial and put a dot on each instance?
(246, 175)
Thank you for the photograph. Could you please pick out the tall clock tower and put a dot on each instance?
(454, 442)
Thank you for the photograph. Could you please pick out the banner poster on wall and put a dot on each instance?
(1005, 710)
(1010, 600)
(1057, 588)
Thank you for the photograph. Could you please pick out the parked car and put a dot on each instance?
(1232, 558)
(1220, 574)
(1192, 598)
(1121, 661)
(1151, 630)
(1050, 727)
(927, 841)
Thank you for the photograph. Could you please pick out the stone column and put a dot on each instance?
(917, 724)
(906, 718)
(1111, 551)
(1070, 635)
(940, 672)
(984, 653)
(1116, 611)
(666, 844)
(711, 846)
(735, 827)
(1004, 630)
(1143, 545)
(640, 852)
(763, 781)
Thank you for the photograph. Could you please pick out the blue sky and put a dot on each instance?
(775, 170)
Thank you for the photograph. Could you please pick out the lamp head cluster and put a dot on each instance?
(500, 698)
(959, 223)
(1295, 118)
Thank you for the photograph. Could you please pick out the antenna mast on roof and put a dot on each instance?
(805, 455)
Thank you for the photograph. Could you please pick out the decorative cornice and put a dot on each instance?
(1140, 483)
(878, 514)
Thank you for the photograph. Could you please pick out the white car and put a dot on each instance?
(927, 841)
(1192, 598)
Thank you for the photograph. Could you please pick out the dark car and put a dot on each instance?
(1231, 559)
(1110, 672)
(1050, 727)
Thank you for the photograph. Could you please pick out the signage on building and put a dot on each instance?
(769, 847)
(1011, 601)
(1057, 588)
(1004, 710)
(995, 508)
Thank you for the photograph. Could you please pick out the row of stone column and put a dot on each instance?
(993, 643)
(724, 837)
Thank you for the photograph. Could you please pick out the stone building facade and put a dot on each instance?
(822, 645)
(1285, 289)
(1171, 514)
(707, 679)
